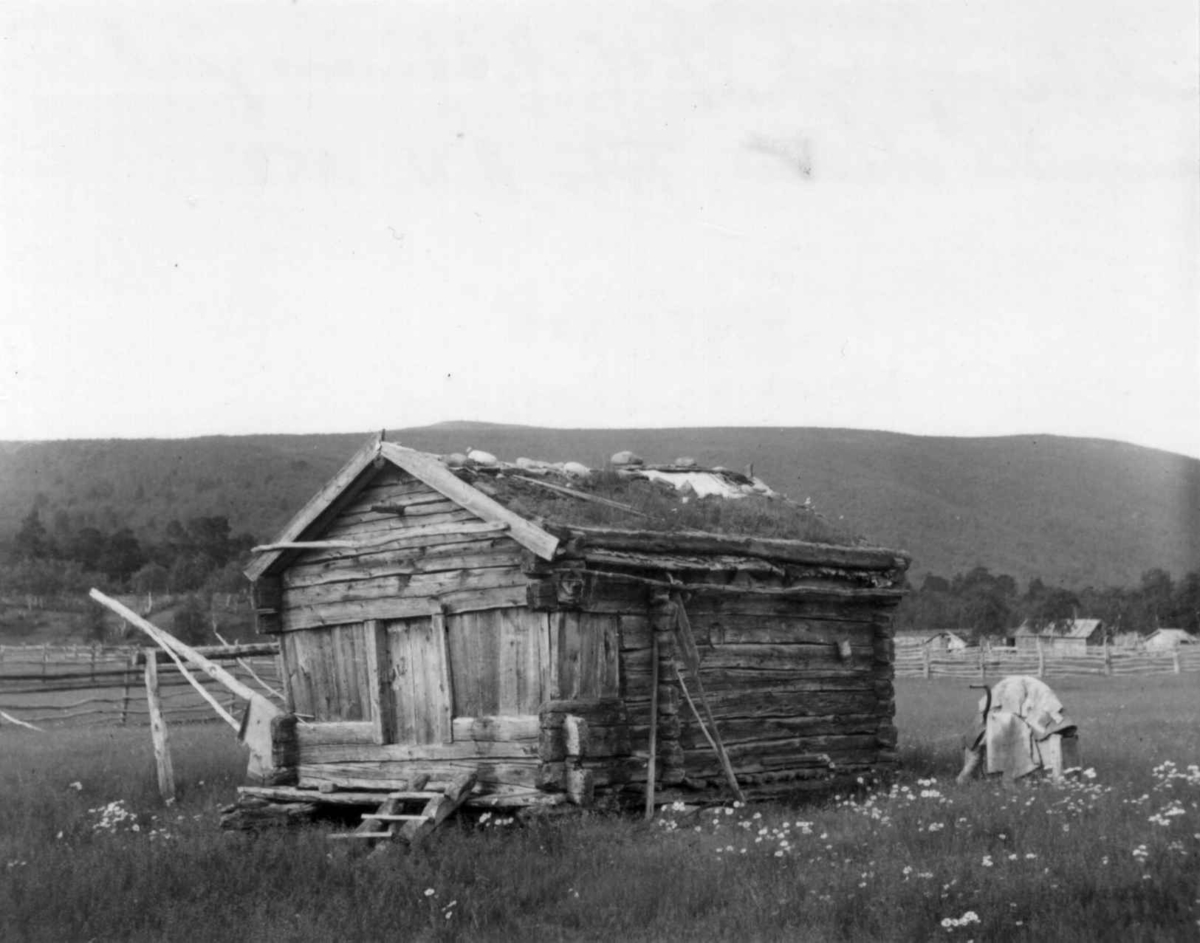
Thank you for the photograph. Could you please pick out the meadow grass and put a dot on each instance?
(1114, 856)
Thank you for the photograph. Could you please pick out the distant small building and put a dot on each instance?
(1064, 637)
(947, 641)
(1165, 640)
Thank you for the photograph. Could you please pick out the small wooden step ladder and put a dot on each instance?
(389, 822)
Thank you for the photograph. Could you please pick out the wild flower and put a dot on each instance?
(77, 786)
(965, 920)
(430, 892)
(987, 861)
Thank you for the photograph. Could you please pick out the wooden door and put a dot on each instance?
(419, 673)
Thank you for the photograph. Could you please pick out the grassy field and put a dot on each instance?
(88, 852)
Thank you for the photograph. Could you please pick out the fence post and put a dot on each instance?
(131, 667)
(982, 669)
(45, 656)
(158, 731)
(1041, 659)
(1175, 658)
(925, 649)
(1107, 658)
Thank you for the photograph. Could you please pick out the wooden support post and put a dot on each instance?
(379, 681)
(1107, 657)
(928, 668)
(158, 731)
(1175, 658)
(982, 667)
(650, 763)
(1041, 659)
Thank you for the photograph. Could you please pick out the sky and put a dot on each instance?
(929, 217)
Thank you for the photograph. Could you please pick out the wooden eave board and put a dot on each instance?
(680, 562)
(316, 506)
(431, 471)
(687, 543)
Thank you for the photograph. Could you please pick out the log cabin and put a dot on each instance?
(437, 618)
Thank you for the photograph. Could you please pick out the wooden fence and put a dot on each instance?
(105, 685)
(915, 660)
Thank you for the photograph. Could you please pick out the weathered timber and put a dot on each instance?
(379, 775)
(402, 542)
(159, 735)
(580, 539)
(408, 563)
(469, 600)
(496, 728)
(412, 752)
(256, 812)
(753, 730)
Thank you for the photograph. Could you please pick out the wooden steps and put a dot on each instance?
(412, 827)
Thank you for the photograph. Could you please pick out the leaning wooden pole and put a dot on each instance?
(158, 732)
(691, 657)
(168, 641)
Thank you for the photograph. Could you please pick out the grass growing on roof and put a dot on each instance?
(659, 507)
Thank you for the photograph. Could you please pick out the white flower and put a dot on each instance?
(429, 892)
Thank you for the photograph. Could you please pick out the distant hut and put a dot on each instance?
(439, 616)
(946, 641)
(1166, 640)
(1064, 637)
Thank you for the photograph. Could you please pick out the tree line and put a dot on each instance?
(201, 554)
(991, 604)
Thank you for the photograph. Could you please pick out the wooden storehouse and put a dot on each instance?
(429, 630)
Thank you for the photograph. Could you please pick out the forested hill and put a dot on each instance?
(1070, 511)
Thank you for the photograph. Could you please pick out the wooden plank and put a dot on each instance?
(405, 586)
(159, 734)
(425, 536)
(443, 709)
(568, 652)
(382, 710)
(474, 555)
(374, 753)
(469, 600)
(443, 513)
(436, 475)
(509, 637)
(382, 775)
(497, 728)
(794, 551)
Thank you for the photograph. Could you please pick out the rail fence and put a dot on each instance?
(915, 660)
(106, 685)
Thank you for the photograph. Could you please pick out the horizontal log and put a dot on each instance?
(604, 711)
(454, 556)
(581, 539)
(475, 600)
(407, 585)
(396, 774)
(740, 730)
(825, 677)
(493, 727)
(808, 591)
(438, 511)
(425, 536)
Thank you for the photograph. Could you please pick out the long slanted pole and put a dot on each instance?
(692, 658)
(168, 641)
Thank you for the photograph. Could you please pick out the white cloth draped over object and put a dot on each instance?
(1024, 712)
